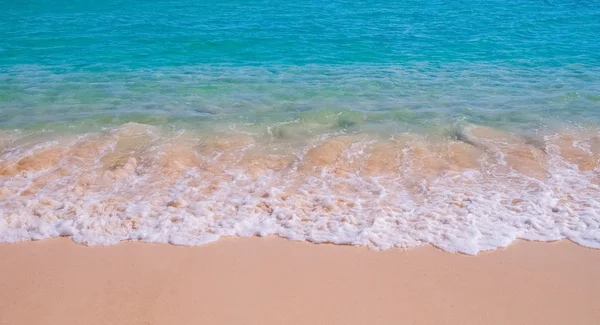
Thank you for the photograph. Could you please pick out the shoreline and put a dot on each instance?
(475, 190)
(274, 281)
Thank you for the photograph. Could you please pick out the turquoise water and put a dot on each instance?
(404, 65)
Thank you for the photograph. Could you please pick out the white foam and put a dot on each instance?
(467, 210)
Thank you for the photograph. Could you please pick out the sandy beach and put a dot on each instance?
(276, 281)
(299, 162)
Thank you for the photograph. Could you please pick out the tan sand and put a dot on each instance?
(275, 281)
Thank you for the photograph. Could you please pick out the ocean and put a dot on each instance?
(465, 125)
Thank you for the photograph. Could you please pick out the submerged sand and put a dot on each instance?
(275, 281)
(471, 190)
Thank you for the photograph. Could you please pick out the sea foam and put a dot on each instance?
(474, 189)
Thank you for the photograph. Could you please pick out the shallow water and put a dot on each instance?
(462, 125)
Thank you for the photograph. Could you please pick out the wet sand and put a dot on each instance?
(464, 189)
(275, 281)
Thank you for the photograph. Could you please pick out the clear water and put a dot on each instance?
(502, 63)
(499, 99)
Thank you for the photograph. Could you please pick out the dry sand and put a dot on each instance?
(275, 281)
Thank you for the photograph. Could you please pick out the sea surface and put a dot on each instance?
(461, 124)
